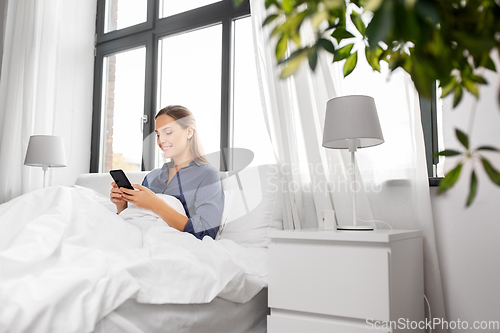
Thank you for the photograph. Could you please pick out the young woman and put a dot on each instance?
(187, 176)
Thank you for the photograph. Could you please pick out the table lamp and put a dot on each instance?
(45, 151)
(351, 122)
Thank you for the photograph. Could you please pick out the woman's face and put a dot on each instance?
(172, 138)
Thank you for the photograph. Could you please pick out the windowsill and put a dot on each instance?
(434, 181)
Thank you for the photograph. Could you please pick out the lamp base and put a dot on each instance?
(355, 228)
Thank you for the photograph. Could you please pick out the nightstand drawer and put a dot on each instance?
(325, 277)
(279, 324)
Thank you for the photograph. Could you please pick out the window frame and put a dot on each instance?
(149, 33)
(428, 117)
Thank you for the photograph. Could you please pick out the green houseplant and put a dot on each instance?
(443, 41)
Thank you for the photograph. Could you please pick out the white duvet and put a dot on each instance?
(66, 261)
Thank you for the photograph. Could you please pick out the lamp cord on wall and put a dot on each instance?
(374, 221)
(430, 315)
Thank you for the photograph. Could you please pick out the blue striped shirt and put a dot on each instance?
(199, 189)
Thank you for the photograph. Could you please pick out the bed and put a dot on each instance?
(65, 268)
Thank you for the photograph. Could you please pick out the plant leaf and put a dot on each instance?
(372, 5)
(458, 95)
(358, 22)
(472, 42)
(462, 137)
(473, 188)
(447, 152)
(326, 44)
(313, 58)
(319, 17)
(491, 171)
(292, 63)
(490, 65)
(341, 33)
(490, 148)
(350, 63)
(292, 56)
(281, 46)
(287, 6)
(420, 73)
(296, 38)
(331, 4)
(342, 53)
(448, 88)
(450, 179)
(269, 19)
(428, 10)
(471, 87)
(269, 3)
(478, 79)
(372, 56)
(381, 24)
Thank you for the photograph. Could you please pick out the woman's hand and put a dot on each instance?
(116, 197)
(142, 197)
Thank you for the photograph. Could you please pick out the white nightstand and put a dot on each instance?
(345, 281)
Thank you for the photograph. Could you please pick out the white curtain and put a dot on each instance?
(393, 175)
(45, 88)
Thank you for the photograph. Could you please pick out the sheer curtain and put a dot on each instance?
(45, 88)
(393, 175)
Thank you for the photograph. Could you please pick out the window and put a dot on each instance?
(172, 7)
(124, 13)
(122, 107)
(190, 75)
(154, 53)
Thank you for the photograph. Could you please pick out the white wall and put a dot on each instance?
(468, 239)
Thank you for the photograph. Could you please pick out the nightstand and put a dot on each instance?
(345, 281)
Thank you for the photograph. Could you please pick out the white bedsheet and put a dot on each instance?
(66, 261)
(218, 316)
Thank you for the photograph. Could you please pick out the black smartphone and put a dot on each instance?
(121, 179)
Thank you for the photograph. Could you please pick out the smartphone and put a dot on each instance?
(121, 179)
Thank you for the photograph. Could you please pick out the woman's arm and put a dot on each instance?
(209, 205)
(145, 198)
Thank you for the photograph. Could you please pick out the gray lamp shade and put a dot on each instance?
(45, 151)
(351, 117)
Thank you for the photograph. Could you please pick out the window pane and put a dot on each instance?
(124, 13)
(249, 126)
(190, 75)
(122, 109)
(172, 7)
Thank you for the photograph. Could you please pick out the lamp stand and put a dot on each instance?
(45, 168)
(354, 226)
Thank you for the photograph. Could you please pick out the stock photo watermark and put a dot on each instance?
(319, 182)
(434, 323)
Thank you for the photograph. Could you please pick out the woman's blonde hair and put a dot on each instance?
(185, 119)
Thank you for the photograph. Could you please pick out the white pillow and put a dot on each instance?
(252, 206)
